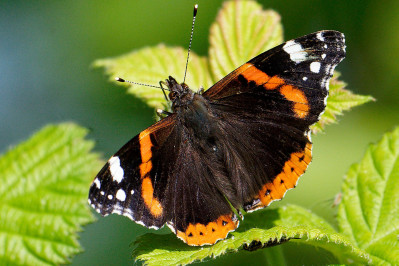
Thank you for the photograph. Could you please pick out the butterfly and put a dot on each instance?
(234, 148)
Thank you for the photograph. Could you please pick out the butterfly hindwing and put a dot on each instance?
(197, 210)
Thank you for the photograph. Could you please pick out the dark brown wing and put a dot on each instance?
(266, 107)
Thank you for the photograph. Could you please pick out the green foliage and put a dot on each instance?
(369, 212)
(152, 64)
(268, 226)
(242, 30)
(44, 185)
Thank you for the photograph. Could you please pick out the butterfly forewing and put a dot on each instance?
(125, 185)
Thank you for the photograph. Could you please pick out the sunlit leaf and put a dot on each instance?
(43, 189)
(268, 227)
(339, 100)
(369, 211)
(242, 30)
(153, 64)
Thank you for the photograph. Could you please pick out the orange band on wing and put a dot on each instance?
(261, 78)
(147, 192)
(145, 145)
(256, 75)
(147, 189)
(301, 107)
(200, 234)
(145, 169)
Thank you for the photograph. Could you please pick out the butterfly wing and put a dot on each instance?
(197, 209)
(124, 185)
(161, 177)
(267, 106)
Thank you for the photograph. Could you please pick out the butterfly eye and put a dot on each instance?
(172, 95)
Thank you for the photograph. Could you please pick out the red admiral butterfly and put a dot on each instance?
(236, 147)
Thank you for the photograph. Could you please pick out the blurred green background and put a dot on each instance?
(47, 47)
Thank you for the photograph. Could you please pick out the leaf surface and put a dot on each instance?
(44, 185)
(369, 211)
(269, 227)
(242, 30)
(153, 64)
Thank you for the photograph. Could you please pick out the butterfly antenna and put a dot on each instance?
(142, 84)
(191, 39)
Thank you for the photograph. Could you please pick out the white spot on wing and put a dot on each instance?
(323, 56)
(102, 193)
(97, 182)
(116, 169)
(305, 78)
(296, 52)
(132, 191)
(121, 195)
(320, 36)
(110, 197)
(315, 67)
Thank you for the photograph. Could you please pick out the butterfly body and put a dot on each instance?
(238, 146)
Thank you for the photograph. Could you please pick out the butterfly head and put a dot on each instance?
(180, 94)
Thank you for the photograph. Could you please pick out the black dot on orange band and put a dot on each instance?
(242, 79)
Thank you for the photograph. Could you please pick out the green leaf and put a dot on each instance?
(268, 227)
(242, 31)
(338, 101)
(153, 64)
(369, 211)
(44, 185)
